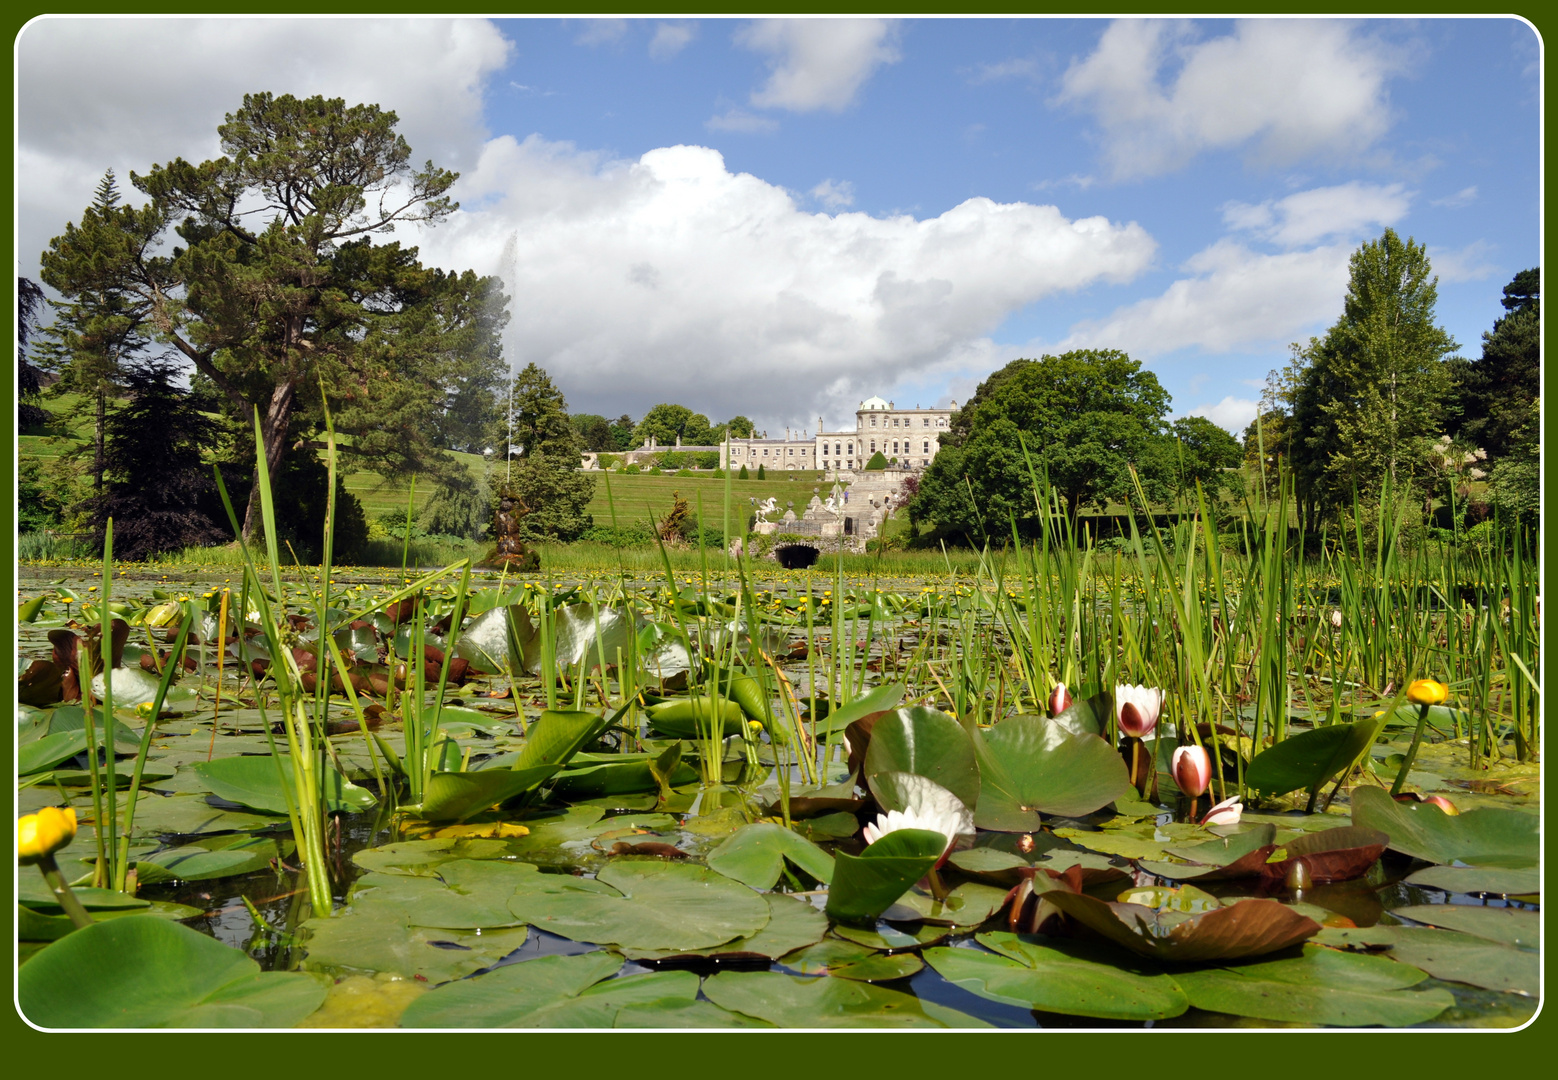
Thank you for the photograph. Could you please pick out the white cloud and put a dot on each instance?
(602, 32)
(671, 38)
(1289, 88)
(1324, 213)
(125, 93)
(1238, 299)
(834, 195)
(818, 63)
(1464, 197)
(739, 120)
(1026, 69)
(670, 278)
(1468, 263)
(1232, 414)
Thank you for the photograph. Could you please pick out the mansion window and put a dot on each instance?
(925, 422)
(873, 421)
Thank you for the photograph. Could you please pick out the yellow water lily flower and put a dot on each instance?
(1427, 692)
(42, 834)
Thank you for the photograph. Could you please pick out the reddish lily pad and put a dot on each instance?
(1333, 855)
(1250, 927)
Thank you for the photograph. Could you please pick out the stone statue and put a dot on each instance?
(766, 507)
(511, 551)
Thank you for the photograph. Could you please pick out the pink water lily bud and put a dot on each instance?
(1442, 803)
(1192, 768)
(1059, 699)
(1136, 709)
(1227, 812)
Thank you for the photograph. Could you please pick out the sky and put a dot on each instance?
(779, 218)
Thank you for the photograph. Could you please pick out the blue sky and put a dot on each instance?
(780, 218)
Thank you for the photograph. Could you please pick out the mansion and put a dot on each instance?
(905, 437)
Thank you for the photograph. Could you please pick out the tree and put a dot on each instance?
(622, 431)
(29, 385)
(279, 289)
(1084, 417)
(1200, 452)
(549, 491)
(595, 433)
(877, 462)
(667, 423)
(1375, 386)
(158, 490)
(739, 427)
(1499, 390)
(461, 506)
(102, 322)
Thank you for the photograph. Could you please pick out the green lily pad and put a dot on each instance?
(1479, 880)
(256, 782)
(799, 1001)
(1321, 987)
(847, 960)
(987, 860)
(380, 940)
(192, 863)
(967, 905)
(878, 699)
(506, 996)
(792, 924)
(49, 751)
(1310, 758)
(643, 904)
(190, 815)
(150, 973)
(927, 742)
(34, 924)
(467, 894)
(1490, 836)
(1031, 766)
(755, 855)
(565, 839)
(888, 938)
(1508, 926)
(867, 884)
(1060, 977)
(421, 858)
(616, 778)
(455, 796)
(1466, 958)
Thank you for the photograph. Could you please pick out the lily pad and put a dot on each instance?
(506, 996)
(467, 894)
(801, 1002)
(49, 751)
(755, 855)
(1242, 854)
(643, 904)
(927, 742)
(1321, 987)
(1466, 958)
(888, 938)
(1031, 766)
(792, 924)
(1489, 836)
(1508, 926)
(455, 796)
(1332, 855)
(192, 863)
(150, 973)
(967, 905)
(847, 960)
(876, 700)
(1061, 977)
(1479, 880)
(256, 782)
(867, 884)
(421, 858)
(1310, 758)
(379, 940)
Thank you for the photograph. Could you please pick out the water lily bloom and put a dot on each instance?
(1442, 803)
(947, 825)
(1059, 699)
(40, 835)
(1427, 692)
(1227, 812)
(1192, 768)
(1336, 618)
(1136, 709)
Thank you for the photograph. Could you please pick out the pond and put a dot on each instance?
(768, 799)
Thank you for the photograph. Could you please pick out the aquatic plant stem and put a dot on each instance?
(62, 894)
(1417, 739)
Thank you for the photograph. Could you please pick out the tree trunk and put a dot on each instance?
(274, 422)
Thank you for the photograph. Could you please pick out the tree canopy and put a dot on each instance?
(278, 290)
(1084, 417)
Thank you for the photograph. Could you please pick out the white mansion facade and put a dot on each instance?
(906, 437)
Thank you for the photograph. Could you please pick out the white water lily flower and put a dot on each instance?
(1136, 709)
(1227, 812)
(930, 806)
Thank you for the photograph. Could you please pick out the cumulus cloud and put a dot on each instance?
(1236, 299)
(1232, 413)
(671, 278)
(818, 63)
(124, 93)
(671, 38)
(1469, 263)
(835, 195)
(1307, 217)
(1287, 89)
